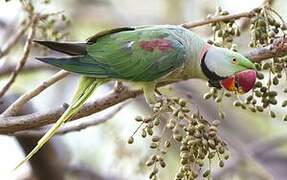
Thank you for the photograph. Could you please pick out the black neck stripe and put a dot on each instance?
(208, 73)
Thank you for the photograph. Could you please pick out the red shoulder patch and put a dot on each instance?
(163, 45)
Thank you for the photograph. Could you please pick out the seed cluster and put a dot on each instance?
(217, 95)
(263, 95)
(54, 26)
(224, 31)
(198, 139)
(265, 28)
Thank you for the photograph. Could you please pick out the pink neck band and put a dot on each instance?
(204, 50)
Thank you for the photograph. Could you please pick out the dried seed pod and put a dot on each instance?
(206, 173)
(147, 120)
(183, 148)
(258, 84)
(182, 102)
(218, 99)
(130, 140)
(162, 164)
(180, 175)
(226, 156)
(184, 155)
(167, 144)
(258, 66)
(252, 109)
(177, 137)
(227, 94)
(211, 155)
(200, 162)
(153, 145)
(272, 114)
(180, 115)
(215, 123)
(149, 131)
(221, 150)
(258, 93)
(275, 81)
(143, 133)
(207, 96)
(155, 138)
(221, 163)
(139, 119)
(170, 125)
(156, 121)
(183, 161)
(254, 101)
(237, 103)
(221, 115)
(260, 75)
(185, 110)
(150, 162)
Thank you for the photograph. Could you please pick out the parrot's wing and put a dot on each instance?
(94, 38)
(143, 54)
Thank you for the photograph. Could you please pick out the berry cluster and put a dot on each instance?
(198, 138)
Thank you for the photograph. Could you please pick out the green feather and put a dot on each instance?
(85, 89)
(119, 55)
(122, 54)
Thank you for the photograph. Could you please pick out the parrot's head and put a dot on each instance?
(229, 68)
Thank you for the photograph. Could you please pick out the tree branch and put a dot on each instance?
(14, 40)
(27, 69)
(194, 24)
(10, 125)
(67, 128)
(22, 61)
(278, 49)
(18, 104)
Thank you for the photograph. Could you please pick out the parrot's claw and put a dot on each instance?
(158, 92)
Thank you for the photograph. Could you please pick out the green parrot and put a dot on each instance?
(144, 55)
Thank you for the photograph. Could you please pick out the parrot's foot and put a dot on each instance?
(153, 95)
(149, 94)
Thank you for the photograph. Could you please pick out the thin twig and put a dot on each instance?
(19, 103)
(13, 42)
(67, 128)
(278, 48)
(193, 24)
(22, 61)
(10, 125)
(7, 70)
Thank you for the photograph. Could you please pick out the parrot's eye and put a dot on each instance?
(234, 60)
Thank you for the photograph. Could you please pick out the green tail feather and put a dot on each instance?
(85, 89)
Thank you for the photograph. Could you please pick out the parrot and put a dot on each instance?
(144, 56)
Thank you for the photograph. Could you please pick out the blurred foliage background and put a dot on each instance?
(257, 143)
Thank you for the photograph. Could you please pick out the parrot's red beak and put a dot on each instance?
(241, 82)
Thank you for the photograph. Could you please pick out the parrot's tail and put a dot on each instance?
(70, 48)
(86, 87)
